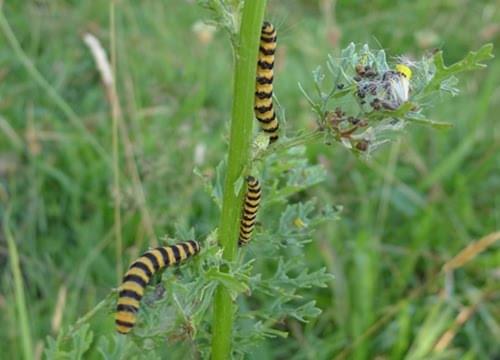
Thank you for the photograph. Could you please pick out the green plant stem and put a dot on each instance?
(239, 154)
(22, 312)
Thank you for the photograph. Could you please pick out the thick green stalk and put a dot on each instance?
(238, 157)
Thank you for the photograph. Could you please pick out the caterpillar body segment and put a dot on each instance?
(263, 104)
(250, 208)
(139, 275)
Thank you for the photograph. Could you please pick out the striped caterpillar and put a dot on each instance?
(263, 104)
(250, 208)
(139, 275)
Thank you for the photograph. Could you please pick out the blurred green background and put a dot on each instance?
(411, 208)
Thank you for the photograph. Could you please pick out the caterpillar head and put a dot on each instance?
(404, 70)
(195, 245)
(267, 27)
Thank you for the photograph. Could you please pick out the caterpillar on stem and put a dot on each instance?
(139, 275)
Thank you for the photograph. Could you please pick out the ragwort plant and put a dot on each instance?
(221, 304)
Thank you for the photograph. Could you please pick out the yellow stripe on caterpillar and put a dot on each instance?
(250, 207)
(263, 103)
(139, 275)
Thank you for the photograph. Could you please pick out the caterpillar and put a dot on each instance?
(250, 208)
(139, 275)
(263, 104)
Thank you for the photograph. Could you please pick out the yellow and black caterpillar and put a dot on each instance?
(263, 105)
(140, 273)
(250, 208)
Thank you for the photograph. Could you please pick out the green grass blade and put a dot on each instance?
(20, 297)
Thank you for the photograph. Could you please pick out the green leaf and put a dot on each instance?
(116, 347)
(473, 61)
(435, 124)
(398, 113)
(269, 332)
(73, 348)
(344, 92)
(380, 60)
(306, 311)
(233, 284)
(209, 188)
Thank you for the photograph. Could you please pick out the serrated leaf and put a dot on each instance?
(183, 233)
(228, 280)
(208, 187)
(79, 343)
(115, 347)
(318, 75)
(318, 278)
(348, 52)
(450, 85)
(268, 332)
(306, 311)
(473, 61)
(381, 61)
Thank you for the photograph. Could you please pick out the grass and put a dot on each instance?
(20, 303)
(408, 211)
